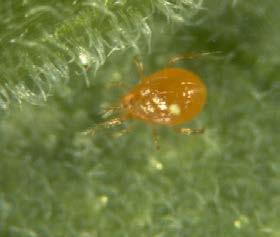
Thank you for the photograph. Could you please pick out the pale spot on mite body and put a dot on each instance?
(174, 109)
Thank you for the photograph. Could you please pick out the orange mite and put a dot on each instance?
(170, 96)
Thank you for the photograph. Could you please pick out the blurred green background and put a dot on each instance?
(58, 59)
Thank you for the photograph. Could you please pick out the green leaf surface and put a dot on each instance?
(59, 60)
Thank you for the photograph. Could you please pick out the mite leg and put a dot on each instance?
(155, 138)
(122, 132)
(107, 124)
(189, 56)
(140, 67)
(190, 131)
(109, 110)
(116, 84)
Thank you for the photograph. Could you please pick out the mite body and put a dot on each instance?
(170, 96)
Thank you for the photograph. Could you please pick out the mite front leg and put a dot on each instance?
(107, 124)
(189, 56)
(140, 67)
